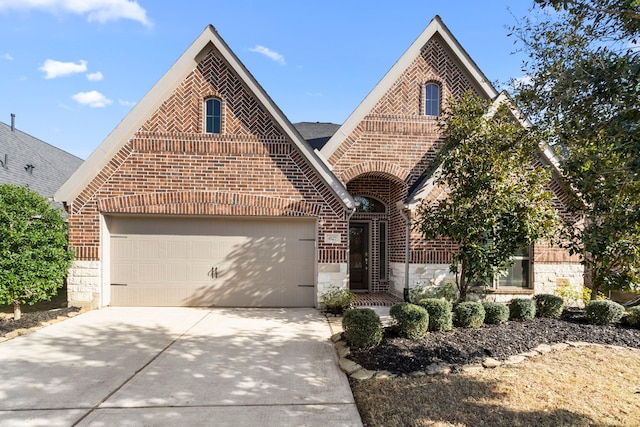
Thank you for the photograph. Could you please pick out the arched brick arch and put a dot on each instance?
(208, 203)
(381, 168)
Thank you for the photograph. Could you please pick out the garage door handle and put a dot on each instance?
(306, 286)
(213, 273)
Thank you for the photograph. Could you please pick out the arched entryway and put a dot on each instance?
(376, 230)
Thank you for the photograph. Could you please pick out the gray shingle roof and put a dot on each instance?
(316, 133)
(51, 166)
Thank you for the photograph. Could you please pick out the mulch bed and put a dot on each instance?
(31, 319)
(460, 346)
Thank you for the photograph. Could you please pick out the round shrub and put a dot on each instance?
(469, 314)
(604, 312)
(362, 327)
(633, 317)
(440, 314)
(548, 305)
(413, 320)
(522, 309)
(495, 313)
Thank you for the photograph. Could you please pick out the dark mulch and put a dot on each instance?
(31, 319)
(469, 346)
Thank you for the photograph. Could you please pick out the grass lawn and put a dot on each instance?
(585, 386)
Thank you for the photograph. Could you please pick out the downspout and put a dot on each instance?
(405, 212)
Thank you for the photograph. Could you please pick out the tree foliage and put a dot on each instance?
(496, 202)
(33, 255)
(582, 89)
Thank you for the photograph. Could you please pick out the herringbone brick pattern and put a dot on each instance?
(171, 167)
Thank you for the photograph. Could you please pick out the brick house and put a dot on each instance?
(206, 195)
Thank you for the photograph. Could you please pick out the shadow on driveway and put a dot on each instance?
(177, 366)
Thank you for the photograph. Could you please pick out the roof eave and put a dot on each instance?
(436, 26)
(159, 93)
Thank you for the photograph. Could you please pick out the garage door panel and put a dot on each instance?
(259, 262)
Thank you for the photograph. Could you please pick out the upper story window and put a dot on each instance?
(432, 99)
(369, 205)
(213, 116)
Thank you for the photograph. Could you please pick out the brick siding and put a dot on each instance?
(171, 167)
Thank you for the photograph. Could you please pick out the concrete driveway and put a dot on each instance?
(177, 366)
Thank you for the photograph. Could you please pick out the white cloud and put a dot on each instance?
(521, 82)
(126, 103)
(275, 56)
(7, 57)
(95, 10)
(95, 77)
(55, 69)
(93, 99)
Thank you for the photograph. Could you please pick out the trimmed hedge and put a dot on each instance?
(469, 314)
(522, 309)
(413, 320)
(495, 313)
(633, 317)
(604, 312)
(440, 314)
(362, 327)
(548, 305)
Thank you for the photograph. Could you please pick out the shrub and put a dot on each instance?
(362, 327)
(413, 320)
(495, 313)
(604, 312)
(447, 291)
(336, 300)
(440, 314)
(548, 305)
(522, 309)
(469, 314)
(633, 316)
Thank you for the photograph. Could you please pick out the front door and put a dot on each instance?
(359, 256)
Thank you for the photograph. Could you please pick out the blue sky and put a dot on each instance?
(71, 70)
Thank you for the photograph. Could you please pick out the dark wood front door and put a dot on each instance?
(359, 256)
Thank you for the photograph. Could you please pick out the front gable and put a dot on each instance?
(161, 163)
(389, 132)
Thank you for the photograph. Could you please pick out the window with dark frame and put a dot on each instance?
(213, 116)
(432, 99)
(517, 275)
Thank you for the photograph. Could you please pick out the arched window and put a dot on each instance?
(432, 99)
(213, 116)
(369, 205)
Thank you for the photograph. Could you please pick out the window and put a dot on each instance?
(369, 205)
(432, 99)
(382, 250)
(517, 274)
(213, 116)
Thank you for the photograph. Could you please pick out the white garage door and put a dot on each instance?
(205, 262)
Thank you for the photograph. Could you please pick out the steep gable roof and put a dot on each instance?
(436, 26)
(50, 166)
(428, 182)
(208, 39)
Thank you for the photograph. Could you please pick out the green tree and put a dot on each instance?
(496, 203)
(582, 90)
(33, 255)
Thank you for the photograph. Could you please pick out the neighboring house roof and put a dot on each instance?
(317, 134)
(425, 184)
(162, 90)
(26, 160)
(436, 26)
